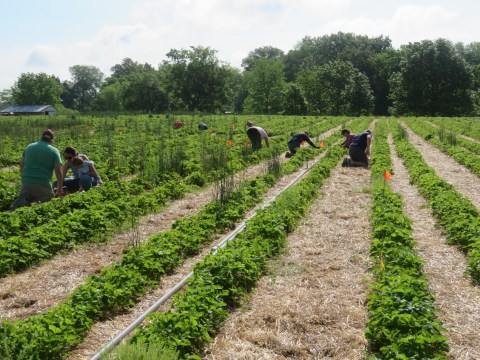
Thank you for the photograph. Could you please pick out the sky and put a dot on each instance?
(50, 36)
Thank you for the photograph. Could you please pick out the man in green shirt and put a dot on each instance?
(38, 162)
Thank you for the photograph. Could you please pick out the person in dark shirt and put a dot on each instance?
(295, 142)
(360, 149)
(202, 126)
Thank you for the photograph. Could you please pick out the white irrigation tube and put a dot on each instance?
(125, 332)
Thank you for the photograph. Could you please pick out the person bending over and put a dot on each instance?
(295, 142)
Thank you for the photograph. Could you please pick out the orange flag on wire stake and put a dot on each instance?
(230, 143)
(322, 144)
(387, 175)
(246, 143)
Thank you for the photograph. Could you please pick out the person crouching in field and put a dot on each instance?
(256, 134)
(295, 142)
(349, 137)
(72, 184)
(360, 149)
(39, 161)
(87, 172)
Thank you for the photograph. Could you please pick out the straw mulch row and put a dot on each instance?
(312, 305)
(444, 267)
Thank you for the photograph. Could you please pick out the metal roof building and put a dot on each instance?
(29, 110)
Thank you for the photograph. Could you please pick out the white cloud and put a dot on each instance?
(408, 23)
(234, 28)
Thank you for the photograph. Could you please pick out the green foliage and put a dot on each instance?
(265, 86)
(402, 321)
(458, 217)
(141, 352)
(336, 88)
(265, 52)
(433, 80)
(37, 89)
(81, 92)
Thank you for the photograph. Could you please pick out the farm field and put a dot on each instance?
(341, 265)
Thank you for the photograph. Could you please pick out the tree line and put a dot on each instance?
(337, 74)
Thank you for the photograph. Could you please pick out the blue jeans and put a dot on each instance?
(87, 181)
(71, 184)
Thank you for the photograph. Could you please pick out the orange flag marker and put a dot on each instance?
(245, 143)
(387, 175)
(322, 144)
(230, 143)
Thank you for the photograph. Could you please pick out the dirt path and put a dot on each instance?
(102, 332)
(457, 300)
(313, 304)
(448, 169)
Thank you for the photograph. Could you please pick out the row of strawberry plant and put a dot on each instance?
(118, 286)
(461, 155)
(466, 126)
(459, 218)
(81, 225)
(71, 228)
(402, 320)
(221, 281)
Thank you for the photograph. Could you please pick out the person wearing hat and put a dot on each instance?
(295, 142)
(39, 161)
(256, 134)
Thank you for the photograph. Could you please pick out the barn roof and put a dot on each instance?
(25, 108)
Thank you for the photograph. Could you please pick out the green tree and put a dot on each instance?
(294, 100)
(337, 88)
(383, 65)
(142, 90)
(6, 98)
(82, 90)
(359, 50)
(265, 52)
(265, 85)
(434, 80)
(37, 89)
(110, 97)
(196, 80)
(126, 68)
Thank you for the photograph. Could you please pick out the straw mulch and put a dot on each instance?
(456, 298)
(312, 305)
(44, 286)
(102, 332)
(447, 168)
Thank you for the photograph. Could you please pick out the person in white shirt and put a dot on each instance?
(87, 172)
(256, 134)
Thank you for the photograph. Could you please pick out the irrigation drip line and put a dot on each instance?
(125, 332)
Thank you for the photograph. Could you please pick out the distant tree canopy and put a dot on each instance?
(336, 74)
(434, 79)
(37, 89)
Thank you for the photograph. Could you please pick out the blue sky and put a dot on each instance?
(50, 36)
